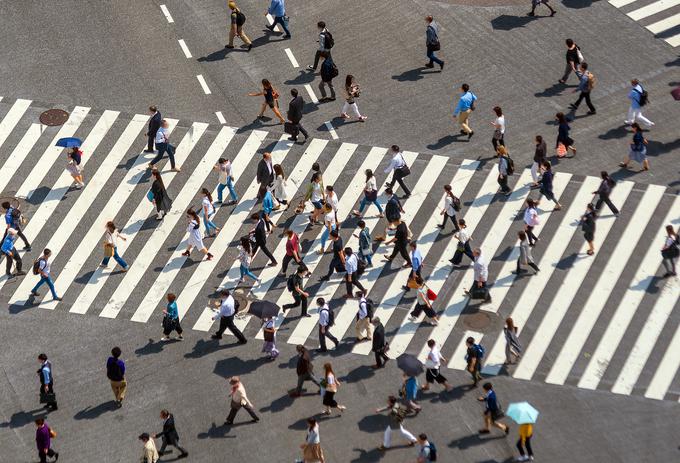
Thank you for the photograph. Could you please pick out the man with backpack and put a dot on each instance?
(426, 449)
(238, 19)
(638, 97)
(42, 267)
(13, 220)
(326, 321)
(338, 261)
(326, 42)
(328, 72)
(493, 411)
(294, 285)
(585, 86)
(432, 43)
(474, 356)
(604, 190)
(364, 315)
(115, 371)
(352, 272)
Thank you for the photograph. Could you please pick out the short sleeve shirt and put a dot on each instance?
(338, 246)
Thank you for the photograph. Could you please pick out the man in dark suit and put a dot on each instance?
(378, 347)
(295, 114)
(154, 125)
(265, 173)
(169, 435)
(260, 233)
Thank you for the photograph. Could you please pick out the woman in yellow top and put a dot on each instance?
(525, 432)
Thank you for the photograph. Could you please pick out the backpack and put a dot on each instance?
(290, 283)
(369, 308)
(392, 210)
(331, 316)
(480, 350)
(644, 96)
(328, 41)
(611, 182)
(456, 203)
(36, 266)
(334, 71)
(591, 81)
(511, 165)
(433, 451)
(240, 18)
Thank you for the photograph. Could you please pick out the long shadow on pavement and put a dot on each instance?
(215, 432)
(473, 440)
(235, 366)
(22, 418)
(91, 413)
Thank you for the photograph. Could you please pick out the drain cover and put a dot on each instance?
(477, 321)
(53, 117)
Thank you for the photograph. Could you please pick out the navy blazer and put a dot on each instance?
(295, 109)
(155, 123)
(169, 433)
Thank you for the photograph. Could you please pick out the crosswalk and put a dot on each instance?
(660, 17)
(605, 322)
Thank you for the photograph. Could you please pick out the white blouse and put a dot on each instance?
(208, 205)
(371, 184)
(317, 193)
(280, 187)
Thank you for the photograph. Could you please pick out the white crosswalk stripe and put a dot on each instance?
(664, 17)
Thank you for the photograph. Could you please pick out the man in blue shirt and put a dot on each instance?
(13, 220)
(47, 395)
(466, 104)
(277, 9)
(492, 412)
(636, 103)
(585, 85)
(416, 264)
(11, 254)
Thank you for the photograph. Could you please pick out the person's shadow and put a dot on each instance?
(91, 413)
(215, 432)
(412, 75)
(22, 418)
(506, 22)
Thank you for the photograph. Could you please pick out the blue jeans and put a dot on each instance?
(116, 257)
(325, 235)
(245, 271)
(229, 185)
(365, 201)
(162, 148)
(280, 20)
(50, 284)
(430, 55)
(208, 224)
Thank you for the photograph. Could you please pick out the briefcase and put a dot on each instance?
(47, 397)
(291, 129)
(479, 293)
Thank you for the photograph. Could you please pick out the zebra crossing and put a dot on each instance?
(605, 322)
(660, 17)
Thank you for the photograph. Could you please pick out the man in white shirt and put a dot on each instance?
(433, 364)
(324, 325)
(227, 310)
(481, 269)
(363, 324)
(351, 278)
(44, 272)
(163, 145)
(638, 99)
(400, 168)
(149, 452)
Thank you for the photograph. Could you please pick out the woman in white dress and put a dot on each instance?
(279, 188)
(195, 239)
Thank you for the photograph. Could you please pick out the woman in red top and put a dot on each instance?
(292, 251)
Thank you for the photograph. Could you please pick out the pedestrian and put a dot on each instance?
(294, 284)
(169, 435)
(292, 251)
(539, 157)
(326, 42)
(603, 192)
(463, 246)
(638, 98)
(587, 223)
(326, 321)
(332, 200)
(271, 99)
(493, 411)
(269, 331)
(295, 108)
(163, 145)
(115, 371)
(227, 309)
(111, 236)
(11, 254)
(481, 274)
(329, 226)
(370, 195)
(473, 358)
(563, 138)
(245, 256)
(513, 348)
(409, 391)
(265, 173)
(364, 314)
(465, 106)
(423, 303)
(311, 448)
(352, 273)
(396, 414)
(451, 205)
(379, 346)
(546, 185)
(267, 208)
(42, 267)
(195, 239)
(337, 263)
(503, 170)
(74, 156)
(304, 369)
(535, 3)
(329, 71)
(45, 374)
(400, 240)
(400, 168)
(352, 92)
(239, 400)
(225, 180)
(279, 187)
(670, 251)
(277, 9)
(585, 86)
(149, 452)
(432, 43)
(426, 450)
(171, 319)
(638, 149)
(433, 364)
(238, 19)
(330, 385)
(574, 58)
(416, 266)
(159, 195)
(315, 194)
(43, 439)
(531, 221)
(526, 431)
(525, 257)
(498, 125)
(13, 219)
(260, 235)
(393, 211)
(211, 230)
(365, 247)
(154, 125)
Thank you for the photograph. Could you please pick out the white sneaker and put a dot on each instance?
(258, 282)
(164, 339)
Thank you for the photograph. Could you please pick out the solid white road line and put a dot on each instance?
(291, 57)
(652, 8)
(553, 252)
(137, 269)
(621, 3)
(331, 130)
(220, 117)
(428, 236)
(184, 48)
(19, 153)
(204, 84)
(591, 310)
(618, 325)
(667, 369)
(458, 301)
(166, 13)
(435, 281)
(535, 350)
(312, 95)
(12, 117)
(457, 360)
(664, 24)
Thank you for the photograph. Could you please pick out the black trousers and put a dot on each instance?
(453, 219)
(15, 257)
(165, 443)
(586, 96)
(527, 444)
(317, 56)
(302, 130)
(400, 248)
(299, 300)
(605, 199)
(503, 182)
(228, 322)
(335, 264)
(398, 177)
(50, 390)
(151, 137)
(380, 357)
(43, 456)
(530, 235)
(235, 407)
(263, 245)
(286, 261)
(352, 279)
(20, 234)
(323, 336)
(498, 141)
(458, 255)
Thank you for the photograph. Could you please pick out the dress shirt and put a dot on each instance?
(363, 309)
(351, 263)
(465, 102)
(397, 162)
(227, 308)
(324, 315)
(416, 259)
(481, 269)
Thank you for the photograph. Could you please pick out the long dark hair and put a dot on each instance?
(266, 84)
(245, 244)
(369, 174)
(194, 216)
(206, 192)
(111, 226)
(348, 80)
(448, 190)
(157, 176)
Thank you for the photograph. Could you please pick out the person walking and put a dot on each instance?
(11, 254)
(365, 247)
(423, 304)
(279, 187)
(574, 58)
(163, 145)
(330, 384)
(492, 412)
(43, 440)
(329, 71)
(238, 19)
(260, 234)
(292, 251)
(225, 180)
(585, 86)
(416, 266)
(149, 452)
(42, 267)
(311, 448)
(400, 241)
(160, 196)
(154, 125)
(432, 43)
(426, 450)
(295, 108)
(211, 230)
(352, 273)
(513, 348)
(245, 256)
(481, 272)
(451, 205)
(409, 391)
(326, 321)
(396, 414)
(294, 284)
(329, 226)
(265, 173)
(563, 137)
(473, 358)
(277, 8)
(227, 310)
(546, 185)
(539, 157)
(525, 257)
(379, 346)
(400, 170)
(587, 223)
(111, 237)
(638, 97)
(171, 319)
(45, 374)
(463, 246)
(269, 332)
(638, 149)
(498, 124)
(271, 99)
(526, 431)
(503, 170)
(531, 221)
(337, 263)
(370, 195)
(670, 251)
(364, 314)
(73, 166)
(315, 194)
(465, 106)
(239, 400)
(393, 211)
(603, 192)
(352, 92)
(267, 208)
(115, 371)
(304, 369)
(13, 219)
(195, 239)
(169, 435)
(535, 3)
(433, 364)
(326, 42)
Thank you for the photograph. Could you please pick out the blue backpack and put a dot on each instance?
(480, 350)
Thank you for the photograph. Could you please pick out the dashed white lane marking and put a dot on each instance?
(201, 81)
(184, 47)
(220, 117)
(166, 13)
(292, 58)
(331, 130)
(270, 19)
(310, 92)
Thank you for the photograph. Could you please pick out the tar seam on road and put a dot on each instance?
(184, 47)
(166, 13)
(204, 85)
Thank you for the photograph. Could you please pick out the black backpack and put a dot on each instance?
(644, 96)
(433, 452)
(328, 41)
(456, 203)
(240, 18)
(392, 210)
(511, 165)
(611, 182)
(331, 316)
(36, 266)
(290, 283)
(334, 71)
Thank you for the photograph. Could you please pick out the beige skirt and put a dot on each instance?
(73, 169)
(312, 453)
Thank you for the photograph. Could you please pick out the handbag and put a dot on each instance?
(149, 195)
(404, 169)
(412, 284)
(435, 46)
(291, 129)
(53, 433)
(108, 250)
(371, 195)
(431, 295)
(168, 323)
(268, 336)
(47, 397)
(497, 135)
(561, 150)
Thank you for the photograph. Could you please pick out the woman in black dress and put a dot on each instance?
(160, 195)
(588, 227)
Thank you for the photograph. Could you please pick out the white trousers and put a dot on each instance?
(387, 438)
(635, 115)
(355, 109)
(534, 171)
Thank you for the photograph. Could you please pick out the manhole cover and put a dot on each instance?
(53, 117)
(14, 202)
(477, 321)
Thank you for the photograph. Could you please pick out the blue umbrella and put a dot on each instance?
(522, 412)
(69, 142)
